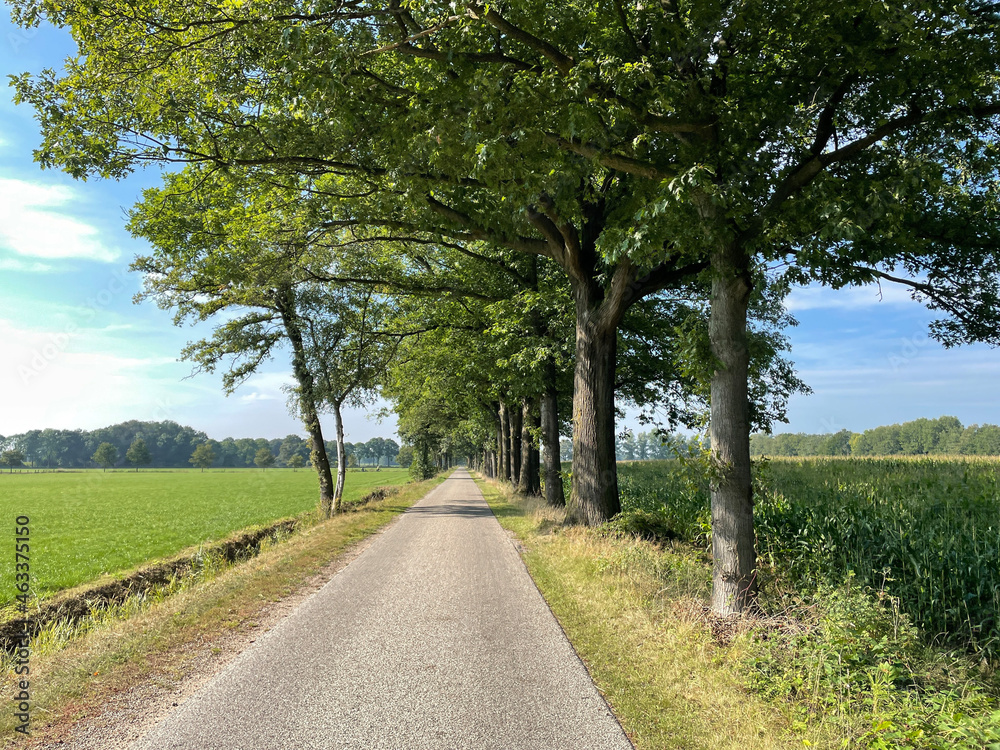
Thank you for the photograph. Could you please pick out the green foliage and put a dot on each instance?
(859, 662)
(204, 456)
(105, 455)
(653, 525)
(138, 453)
(422, 466)
(405, 456)
(295, 462)
(170, 443)
(12, 458)
(942, 436)
(926, 530)
(264, 458)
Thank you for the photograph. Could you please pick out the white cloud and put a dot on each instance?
(257, 396)
(36, 221)
(14, 264)
(89, 377)
(849, 298)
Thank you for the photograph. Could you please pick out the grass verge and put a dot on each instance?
(75, 670)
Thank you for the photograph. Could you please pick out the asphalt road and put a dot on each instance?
(434, 637)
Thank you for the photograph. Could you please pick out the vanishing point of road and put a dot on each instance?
(434, 637)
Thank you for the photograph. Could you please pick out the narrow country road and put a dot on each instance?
(435, 637)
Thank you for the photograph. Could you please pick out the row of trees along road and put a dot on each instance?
(689, 159)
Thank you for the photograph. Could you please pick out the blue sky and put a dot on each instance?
(79, 353)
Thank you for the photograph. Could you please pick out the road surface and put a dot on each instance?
(434, 637)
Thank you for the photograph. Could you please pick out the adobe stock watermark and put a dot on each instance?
(19, 38)
(909, 349)
(43, 356)
(831, 425)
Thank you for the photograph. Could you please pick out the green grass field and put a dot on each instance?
(88, 523)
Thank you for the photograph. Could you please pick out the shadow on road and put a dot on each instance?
(453, 509)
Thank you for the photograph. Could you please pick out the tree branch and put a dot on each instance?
(474, 231)
(563, 63)
(616, 162)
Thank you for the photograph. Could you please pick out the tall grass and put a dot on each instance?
(927, 531)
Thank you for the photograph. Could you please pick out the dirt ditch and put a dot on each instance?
(81, 602)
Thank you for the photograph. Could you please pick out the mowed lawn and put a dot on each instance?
(88, 523)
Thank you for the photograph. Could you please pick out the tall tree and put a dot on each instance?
(264, 458)
(349, 351)
(12, 458)
(217, 247)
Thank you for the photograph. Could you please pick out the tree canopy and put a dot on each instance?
(706, 150)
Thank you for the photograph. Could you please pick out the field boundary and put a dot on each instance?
(82, 601)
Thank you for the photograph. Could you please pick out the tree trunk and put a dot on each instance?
(734, 581)
(528, 480)
(307, 399)
(594, 496)
(514, 415)
(554, 494)
(338, 492)
(536, 462)
(504, 444)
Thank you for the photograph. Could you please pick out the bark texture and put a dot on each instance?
(554, 494)
(528, 481)
(504, 443)
(734, 581)
(338, 492)
(514, 415)
(594, 497)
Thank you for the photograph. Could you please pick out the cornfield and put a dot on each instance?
(926, 530)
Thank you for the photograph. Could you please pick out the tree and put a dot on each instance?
(203, 456)
(838, 444)
(405, 456)
(264, 458)
(12, 458)
(363, 453)
(296, 462)
(106, 455)
(267, 271)
(138, 454)
(376, 450)
(391, 450)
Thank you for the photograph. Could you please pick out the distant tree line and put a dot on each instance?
(942, 436)
(171, 445)
(642, 446)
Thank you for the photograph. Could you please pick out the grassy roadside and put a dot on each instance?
(648, 650)
(634, 616)
(72, 677)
